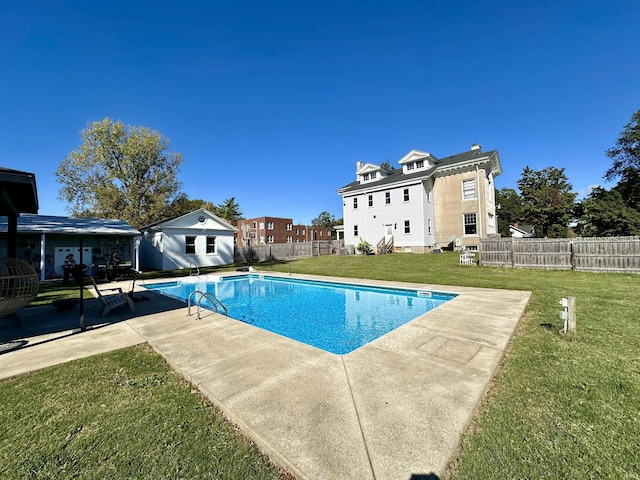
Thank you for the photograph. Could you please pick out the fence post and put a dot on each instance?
(572, 255)
(513, 255)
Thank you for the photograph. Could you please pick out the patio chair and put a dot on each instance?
(112, 300)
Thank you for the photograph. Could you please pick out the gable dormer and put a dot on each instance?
(416, 160)
(369, 172)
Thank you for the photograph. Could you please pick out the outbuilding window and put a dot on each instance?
(189, 244)
(211, 244)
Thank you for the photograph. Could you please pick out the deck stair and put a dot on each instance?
(385, 246)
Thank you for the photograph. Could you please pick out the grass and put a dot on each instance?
(560, 407)
(124, 414)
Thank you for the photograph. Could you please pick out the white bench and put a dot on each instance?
(467, 258)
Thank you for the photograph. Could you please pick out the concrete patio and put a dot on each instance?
(392, 409)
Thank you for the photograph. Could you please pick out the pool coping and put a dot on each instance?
(392, 409)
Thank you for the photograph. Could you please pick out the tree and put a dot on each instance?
(508, 208)
(626, 152)
(325, 219)
(183, 205)
(387, 166)
(229, 210)
(604, 213)
(119, 171)
(547, 200)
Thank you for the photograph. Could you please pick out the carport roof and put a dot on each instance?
(28, 223)
(18, 193)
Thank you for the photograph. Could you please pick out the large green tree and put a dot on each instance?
(183, 205)
(125, 172)
(229, 210)
(324, 219)
(626, 162)
(604, 213)
(547, 200)
(508, 208)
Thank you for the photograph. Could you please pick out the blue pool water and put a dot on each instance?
(336, 317)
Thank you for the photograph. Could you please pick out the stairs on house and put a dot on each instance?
(384, 246)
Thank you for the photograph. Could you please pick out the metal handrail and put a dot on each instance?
(208, 295)
(191, 267)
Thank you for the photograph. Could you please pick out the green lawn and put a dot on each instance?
(559, 408)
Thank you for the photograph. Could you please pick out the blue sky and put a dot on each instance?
(273, 102)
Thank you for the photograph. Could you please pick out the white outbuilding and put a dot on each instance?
(196, 239)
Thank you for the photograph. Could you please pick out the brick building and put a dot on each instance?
(277, 230)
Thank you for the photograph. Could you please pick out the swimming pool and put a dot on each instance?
(336, 317)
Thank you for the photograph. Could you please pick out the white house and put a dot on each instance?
(427, 203)
(198, 238)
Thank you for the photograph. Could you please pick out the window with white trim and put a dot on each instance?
(365, 177)
(289, 226)
(406, 194)
(189, 244)
(355, 230)
(355, 202)
(289, 239)
(470, 224)
(469, 189)
(420, 164)
(387, 198)
(411, 166)
(407, 226)
(211, 244)
(371, 200)
(269, 225)
(269, 238)
(373, 175)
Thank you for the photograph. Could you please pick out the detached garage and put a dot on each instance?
(197, 239)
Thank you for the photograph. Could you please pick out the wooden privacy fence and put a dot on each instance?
(282, 251)
(592, 254)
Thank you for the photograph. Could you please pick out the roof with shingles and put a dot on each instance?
(48, 224)
(443, 164)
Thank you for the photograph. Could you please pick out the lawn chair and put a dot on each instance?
(112, 300)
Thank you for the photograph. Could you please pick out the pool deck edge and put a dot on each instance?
(393, 408)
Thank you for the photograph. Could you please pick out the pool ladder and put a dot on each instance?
(208, 295)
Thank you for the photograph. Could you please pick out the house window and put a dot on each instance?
(211, 244)
(289, 239)
(469, 189)
(407, 226)
(387, 198)
(255, 225)
(297, 231)
(410, 166)
(365, 177)
(269, 238)
(320, 232)
(189, 244)
(269, 225)
(420, 164)
(406, 194)
(470, 225)
(261, 225)
(355, 202)
(371, 200)
(289, 226)
(373, 175)
(429, 226)
(355, 230)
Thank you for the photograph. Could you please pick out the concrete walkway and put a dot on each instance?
(393, 409)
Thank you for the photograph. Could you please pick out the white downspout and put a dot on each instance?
(42, 257)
